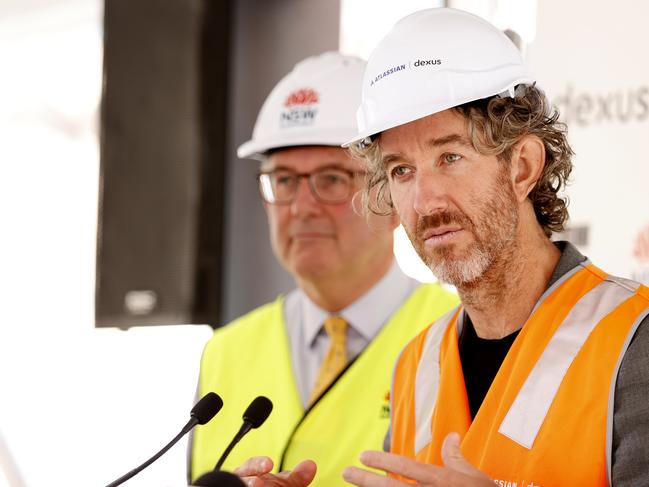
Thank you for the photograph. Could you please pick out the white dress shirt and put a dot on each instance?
(366, 316)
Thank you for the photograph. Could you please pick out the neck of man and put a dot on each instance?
(335, 292)
(501, 301)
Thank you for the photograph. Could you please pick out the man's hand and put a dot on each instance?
(456, 472)
(255, 472)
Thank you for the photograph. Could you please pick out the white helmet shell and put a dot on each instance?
(433, 60)
(315, 104)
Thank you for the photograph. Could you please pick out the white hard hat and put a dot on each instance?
(433, 60)
(315, 104)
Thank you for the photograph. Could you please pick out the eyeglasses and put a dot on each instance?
(329, 185)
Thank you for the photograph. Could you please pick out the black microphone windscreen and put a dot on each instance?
(207, 407)
(258, 411)
(218, 478)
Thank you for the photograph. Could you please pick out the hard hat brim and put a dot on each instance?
(256, 149)
(422, 111)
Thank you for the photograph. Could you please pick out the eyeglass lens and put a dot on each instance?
(327, 185)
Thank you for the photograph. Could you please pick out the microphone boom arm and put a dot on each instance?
(190, 424)
(245, 427)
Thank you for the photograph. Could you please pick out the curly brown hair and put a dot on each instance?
(495, 125)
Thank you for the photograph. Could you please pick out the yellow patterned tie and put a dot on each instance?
(336, 359)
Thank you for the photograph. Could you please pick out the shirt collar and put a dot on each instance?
(369, 313)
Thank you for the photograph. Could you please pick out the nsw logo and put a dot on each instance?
(300, 108)
(384, 412)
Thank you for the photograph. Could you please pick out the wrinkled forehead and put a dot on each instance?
(448, 126)
(310, 158)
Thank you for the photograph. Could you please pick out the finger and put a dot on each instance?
(452, 455)
(404, 466)
(363, 478)
(253, 481)
(254, 466)
(303, 474)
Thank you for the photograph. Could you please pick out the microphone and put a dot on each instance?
(253, 417)
(218, 478)
(201, 413)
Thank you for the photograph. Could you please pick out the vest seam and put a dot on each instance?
(622, 283)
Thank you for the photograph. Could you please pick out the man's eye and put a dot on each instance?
(283, 180)
(399, 171)
(451, 158)
(332, 178)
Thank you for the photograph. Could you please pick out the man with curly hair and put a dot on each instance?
(539, 377)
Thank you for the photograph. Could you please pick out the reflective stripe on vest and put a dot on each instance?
(535, 411)
(526, 415)
(251, 357)
(425, 397)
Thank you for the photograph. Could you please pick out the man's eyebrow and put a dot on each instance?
(390, 158)
(438, 142)
(331, 165)
(450, 139)
(276, 167)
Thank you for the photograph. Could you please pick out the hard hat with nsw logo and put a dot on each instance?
(315, 104)
(433, 60)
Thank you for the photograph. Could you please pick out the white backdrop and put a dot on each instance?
(79, 406)
(591, 59)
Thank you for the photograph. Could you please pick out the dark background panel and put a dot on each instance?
(182, 234)
(162, 162)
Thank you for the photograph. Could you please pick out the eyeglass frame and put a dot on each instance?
(310, 183)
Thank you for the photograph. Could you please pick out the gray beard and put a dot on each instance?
(462, 272)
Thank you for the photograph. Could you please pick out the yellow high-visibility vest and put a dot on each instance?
(251, 357)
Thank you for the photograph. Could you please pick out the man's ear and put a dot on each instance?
(527, 163)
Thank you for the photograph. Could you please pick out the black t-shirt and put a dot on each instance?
(481, 359)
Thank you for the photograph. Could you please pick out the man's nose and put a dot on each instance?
(304, 203)
(430, 193)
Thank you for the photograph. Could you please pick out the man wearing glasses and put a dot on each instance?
(324, 352)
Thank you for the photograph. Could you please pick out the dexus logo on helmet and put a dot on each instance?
(427, 62)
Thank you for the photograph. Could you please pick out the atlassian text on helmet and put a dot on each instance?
(387, 72)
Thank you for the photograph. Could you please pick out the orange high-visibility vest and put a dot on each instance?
(547, 417)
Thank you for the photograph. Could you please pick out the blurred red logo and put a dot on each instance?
(303, 96)
(641, 247)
